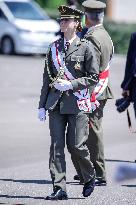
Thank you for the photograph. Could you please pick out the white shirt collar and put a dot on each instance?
(92, 27)
(70, 41)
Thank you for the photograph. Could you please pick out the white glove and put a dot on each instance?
(42, 114)
(63, 85)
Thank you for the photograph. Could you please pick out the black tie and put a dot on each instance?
(67, 44)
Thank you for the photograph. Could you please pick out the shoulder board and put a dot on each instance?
(49, 47)
(57, 42)
(85, 40)
(82, 39)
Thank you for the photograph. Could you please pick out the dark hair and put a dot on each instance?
(95, 16)
(79, 28)
(72, 2)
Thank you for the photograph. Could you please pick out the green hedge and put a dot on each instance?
(55, 3)
(50, 6)
(120, 34)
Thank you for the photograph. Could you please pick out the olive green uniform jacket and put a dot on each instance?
(85, 74)
(104, 50)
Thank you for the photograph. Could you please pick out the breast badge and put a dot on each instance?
(77, 65)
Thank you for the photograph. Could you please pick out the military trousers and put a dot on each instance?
(71, 129)
(95, 140)
(95, 143)
(133, 94)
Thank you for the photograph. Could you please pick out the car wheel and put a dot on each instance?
(7, 46)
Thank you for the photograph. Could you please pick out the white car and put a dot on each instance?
(25, 28)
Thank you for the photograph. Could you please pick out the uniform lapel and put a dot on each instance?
(73, 47)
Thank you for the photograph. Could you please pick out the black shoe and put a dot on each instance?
(58, 194)
(88, 188)
(100, 182)
(76, 177)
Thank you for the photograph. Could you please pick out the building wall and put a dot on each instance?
(122, 10)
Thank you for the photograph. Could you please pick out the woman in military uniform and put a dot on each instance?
(70, 75)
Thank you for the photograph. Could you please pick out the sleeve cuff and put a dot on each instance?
(74, 85)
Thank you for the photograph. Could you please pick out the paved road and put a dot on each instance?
(24, 146)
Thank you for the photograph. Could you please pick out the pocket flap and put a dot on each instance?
(77, 58)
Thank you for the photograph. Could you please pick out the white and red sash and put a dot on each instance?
(84, 102)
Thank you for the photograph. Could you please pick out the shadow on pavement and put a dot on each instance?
(76, 198)
(29, 181)
(31, 197)
(119, 160)
(20, 197)
(129, 185)
(73, 183)
(36, 181)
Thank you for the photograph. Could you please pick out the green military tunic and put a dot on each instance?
(63, 111)
(104, 50)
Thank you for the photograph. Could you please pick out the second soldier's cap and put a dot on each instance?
(94, 6)
(68, 12)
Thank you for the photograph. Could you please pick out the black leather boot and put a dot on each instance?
(88, 188)
(58, 194)
(76, 177)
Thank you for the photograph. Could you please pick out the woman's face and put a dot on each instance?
(68, 25)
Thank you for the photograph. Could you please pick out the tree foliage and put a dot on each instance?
(56, 3)
(51, 3)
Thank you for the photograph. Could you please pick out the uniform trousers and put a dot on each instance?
(133, 93)
(72, 129)
(95, 141)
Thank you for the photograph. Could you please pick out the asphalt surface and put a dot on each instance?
(24, 141)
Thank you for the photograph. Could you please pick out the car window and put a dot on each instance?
(2, 15)
(26, 10)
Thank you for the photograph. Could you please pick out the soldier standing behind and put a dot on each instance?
(70, 69)
(94, 12)
(129, 82)
(128, 171)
